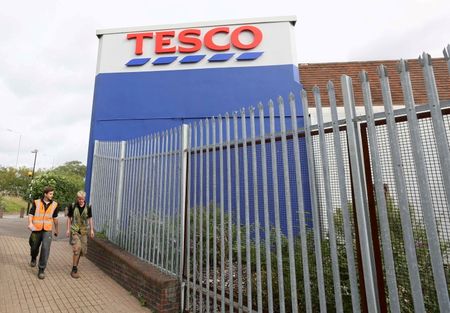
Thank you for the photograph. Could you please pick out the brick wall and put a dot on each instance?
(319, 74)
(161, 292)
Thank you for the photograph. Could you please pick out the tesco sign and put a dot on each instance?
(192, 40)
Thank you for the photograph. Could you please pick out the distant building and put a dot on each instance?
(312, 74)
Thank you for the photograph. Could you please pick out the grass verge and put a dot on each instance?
(13, 204)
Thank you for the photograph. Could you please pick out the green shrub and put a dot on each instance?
(66, 186)
(404, 290)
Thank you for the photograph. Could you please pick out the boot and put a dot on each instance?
(74, 273)
(33, 262)
(41, 273)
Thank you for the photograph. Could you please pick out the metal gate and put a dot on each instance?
(258, 211)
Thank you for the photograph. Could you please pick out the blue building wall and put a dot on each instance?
(129, 105)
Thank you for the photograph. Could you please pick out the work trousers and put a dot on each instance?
(41, 239)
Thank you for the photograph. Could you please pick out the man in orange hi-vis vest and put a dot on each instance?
(43, 214)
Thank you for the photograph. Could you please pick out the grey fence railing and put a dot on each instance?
(262, 212)
(138, 192)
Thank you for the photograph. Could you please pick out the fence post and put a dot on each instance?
(166, 201)
(314, 204)
(287, 194)
(176, 244)
(230, 213)
(207, 212)
(201, 209)
(214, 206)
(193, 173)
(360, 196)
(152, 211)
(149, 197)
(256, 206)
(184, 154)
(92, 187)
(222, 216)
(380, 197)
(328, 202)
(266, 207)
(425, 191)
(238, 211)
(120, 186)
(276, 201)
(401, 192)
(438, 120)
(300, 204)
(344, 199)
(185, 129)
(246, 210)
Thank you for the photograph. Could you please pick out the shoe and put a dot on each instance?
(74, 274)
(33, 263)
(41, 274)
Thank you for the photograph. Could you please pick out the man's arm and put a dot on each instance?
(55, 221)
(69, 224)
(91, 221)
(30, 217)
(69, 219)
(91, 226)
(30, 222)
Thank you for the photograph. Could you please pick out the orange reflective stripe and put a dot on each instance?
(38, 206)
(38, 215)
(52, 208)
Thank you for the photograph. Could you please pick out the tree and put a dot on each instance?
(75, 168)
(66, 187)
(14, 182)
(67, 179)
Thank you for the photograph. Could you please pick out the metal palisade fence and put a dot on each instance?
(138, 192)
(260, 211)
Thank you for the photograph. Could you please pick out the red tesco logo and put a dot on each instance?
(190, 40)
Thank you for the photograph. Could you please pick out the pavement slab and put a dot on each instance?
(22, 291)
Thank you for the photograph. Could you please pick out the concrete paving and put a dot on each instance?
(22, 291)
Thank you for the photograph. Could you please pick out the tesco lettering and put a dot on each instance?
(190, 40)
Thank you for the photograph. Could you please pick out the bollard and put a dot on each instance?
(22, 212)
(1, 212)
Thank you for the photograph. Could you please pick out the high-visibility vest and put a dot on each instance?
(43, 218)
(79, 221)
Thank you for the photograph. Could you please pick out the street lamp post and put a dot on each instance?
(35, 151)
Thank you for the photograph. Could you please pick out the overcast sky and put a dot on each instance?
(48, 54)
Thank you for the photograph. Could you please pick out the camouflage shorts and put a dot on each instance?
(79, 244)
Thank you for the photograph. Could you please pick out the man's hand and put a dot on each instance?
(92, 234)
(31, 227)
(68, 233)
